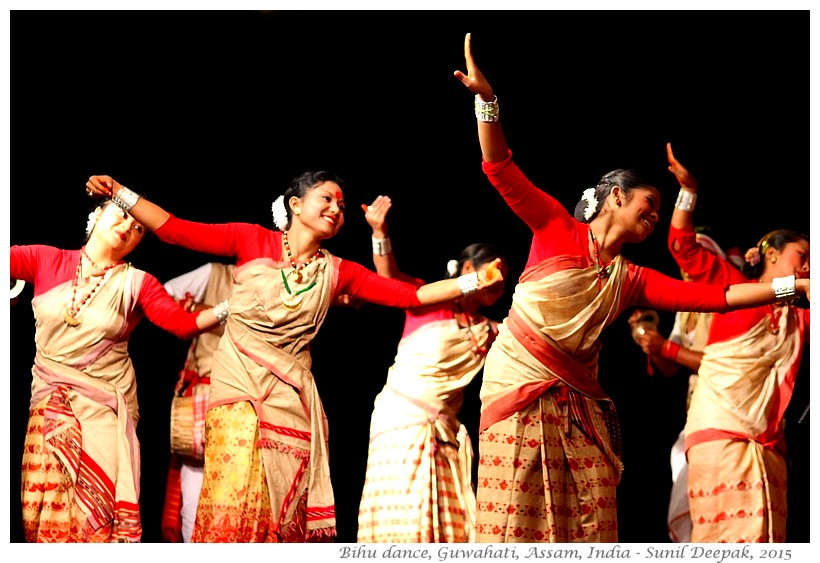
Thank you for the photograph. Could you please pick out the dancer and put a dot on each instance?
(210, 283)
(418, 487)
(682, 350)
(266, 476)
(735, 442)
(549, 442)
(81, 463)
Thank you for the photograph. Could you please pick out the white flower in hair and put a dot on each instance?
(452, 267)
(92, 220)
(280, 215)
(592, 203)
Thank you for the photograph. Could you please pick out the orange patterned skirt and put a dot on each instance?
(234, 503)
(539, 483)
(51, 511)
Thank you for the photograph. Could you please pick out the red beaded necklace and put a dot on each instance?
(71, 312)
(468, 318)
(298, 269)
(603, 271)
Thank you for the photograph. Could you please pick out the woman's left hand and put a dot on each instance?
(685, 179)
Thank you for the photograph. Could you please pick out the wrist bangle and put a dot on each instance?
(381, 246)
(468, 283)
(686, 200)
(783, 287)
(125, 198)
(670, 350)
(486, 111)
(221, 311)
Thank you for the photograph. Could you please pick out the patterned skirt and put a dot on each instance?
(414, 490)
(737, 492)
(51, 511)
(541, 479)
(234, 503)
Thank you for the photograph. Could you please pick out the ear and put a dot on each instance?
(617, 195)
(467, 268)
(295, 204)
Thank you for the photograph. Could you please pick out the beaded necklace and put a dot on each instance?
(468, 318)
(71, 312)
(603, 271)
(298, 269)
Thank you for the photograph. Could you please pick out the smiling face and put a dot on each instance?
(117, 230)
(321, 209)
(638, 213)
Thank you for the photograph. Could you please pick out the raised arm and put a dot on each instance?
(383, 256)
(149, 214)
(685, 204)
(490, 135)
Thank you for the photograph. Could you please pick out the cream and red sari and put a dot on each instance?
(734, 433)
(549, 443)
(80, 471)
(418, 487)
(266, 475)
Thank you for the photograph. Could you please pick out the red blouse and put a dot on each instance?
(556, 232)
(702, 265)
(246, 242)
(46, 267)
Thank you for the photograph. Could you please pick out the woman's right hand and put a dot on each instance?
(376, 215)
(685, 179)
(101, 185)
(474, 79)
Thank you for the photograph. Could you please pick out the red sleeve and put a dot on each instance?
(700, 264)
(43, 266)
(357, 281)
(162, 310)
(650, 288)
(244, 241)
(555, 231)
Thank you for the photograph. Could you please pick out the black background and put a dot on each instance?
(210, 113)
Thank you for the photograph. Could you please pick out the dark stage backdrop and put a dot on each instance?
(211, 113)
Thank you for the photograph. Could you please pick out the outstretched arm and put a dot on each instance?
(490, 135)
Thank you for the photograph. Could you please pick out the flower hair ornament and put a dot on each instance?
(280, 215)
(452, 267)
(92, 220)
(753, 256)
(592, 203)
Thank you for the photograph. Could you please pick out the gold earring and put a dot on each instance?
(297, 211)
(774, 259)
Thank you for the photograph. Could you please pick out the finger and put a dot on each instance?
(366, 207)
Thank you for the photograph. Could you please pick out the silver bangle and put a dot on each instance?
(381, 246)
(468, 283)
(125, 198)
(221, 311)
(783, 287)
(686, 200)
(486, 111)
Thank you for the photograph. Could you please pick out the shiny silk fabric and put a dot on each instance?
(418, 487)
(264, 360)
(80, 472)
(549, 443)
